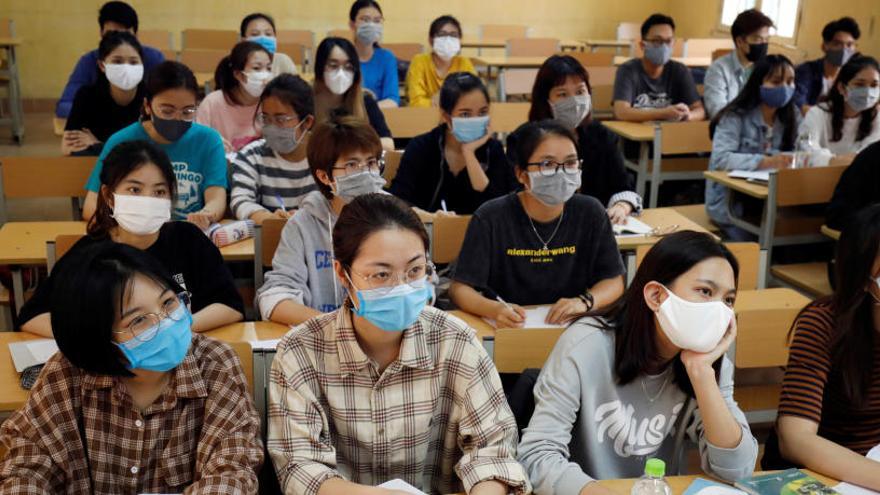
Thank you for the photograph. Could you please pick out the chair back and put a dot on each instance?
(592, 59)
(503, 31)
(59, 247)
(449, 232)
(266, 239)
(302, 37)
(161, 39)
(716, 54)
(341, 33)
(507, 116)
(202, 60)
(532, 47)
(806, 186)
(517, 349)
(392, 164)
(705, 47)
(602, 100)
(25, 177)
(7, 28)
(209, 39)
(602, 75)
(408, 122)
(246, 356)
(680, 138)
(296, 51)
(518, 82)
(404, 51)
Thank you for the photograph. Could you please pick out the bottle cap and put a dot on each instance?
(655, 468)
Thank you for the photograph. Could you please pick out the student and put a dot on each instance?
(544, 245)
(387, 387)
(231, 109)
(625, 383)
(829, 406)
(654, 87)
(728, 74)
(858, 188)
(379, 66)
(816, 77)
(848, 120)
(134, 208)
(134, 402)
(756, 131)
(196, 151)
(345, 160)
(427, 71)
(113, 16)
(562, 91)
(114, 101)
(260, 28)
(338, 88)
(270, 177)
(458, 165)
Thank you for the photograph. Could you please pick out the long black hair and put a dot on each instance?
(835, 101)
(224, 75)
(750, 97)
(635, 347)
(554, 72)
(353, 100)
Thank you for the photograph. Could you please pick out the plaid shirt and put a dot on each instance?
(435, 415)
(200, 436)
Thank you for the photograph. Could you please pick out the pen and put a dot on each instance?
(502, 301)
(280, 202)
(443, 204)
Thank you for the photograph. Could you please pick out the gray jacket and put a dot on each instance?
(587, 427)
(302, 269)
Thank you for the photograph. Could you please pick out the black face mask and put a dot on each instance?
(757, 51)
(170, 129)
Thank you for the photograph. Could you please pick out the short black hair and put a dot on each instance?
(442, 21)
(456, 85)
(253, 17)
(530, 135)
(747, 22)
(654, 20)
(554, 72)
(294, 92)
(845, 24)
(169, 75)
(90, 283)
(120, 13)
(362, 4)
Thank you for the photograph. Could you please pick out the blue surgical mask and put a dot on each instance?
(468, 129)
(658, 54)
(395, 309)
(162, 347)
(777, 97)
(862, 98)
(267, 42)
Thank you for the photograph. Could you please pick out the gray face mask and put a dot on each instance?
(839, 57)
(282, 139)
(369, 32)
(351, 186)
(555, 189)
(862, 98)
(658, 55)
(571, 111)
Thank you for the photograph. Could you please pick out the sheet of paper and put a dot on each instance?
(535, 318)
(31, 353)
(633, 226)
(874, 454)
(848, 489)
(755, 175)
(267, 345)
(42, 350)
(399, 484)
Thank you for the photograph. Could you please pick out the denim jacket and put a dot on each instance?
(741, 141)
(724, 80)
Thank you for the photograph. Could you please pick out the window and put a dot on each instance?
(783, 12)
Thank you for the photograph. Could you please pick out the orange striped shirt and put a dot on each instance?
(808, 393)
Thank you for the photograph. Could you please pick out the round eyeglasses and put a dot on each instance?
(144, 327)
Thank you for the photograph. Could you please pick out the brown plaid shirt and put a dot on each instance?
(435, 416)
(200, 436)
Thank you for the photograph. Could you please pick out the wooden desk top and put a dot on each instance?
(774, 298)
(688, 61)
(248, 331)
(483, 43)
(504, 62)
(24, 243)
(832, 233)
(752, 189)
(658, 218)
(571, 43)
(4, 42)
(12, 396)
(606, 42)
(633, 131)
(483, 328)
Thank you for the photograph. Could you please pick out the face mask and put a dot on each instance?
(170, 129)
(351, 186)
(282, 139)
(694, 326)
(446, 47)
(141, 215)
(757, 51)
(165, 345)
(397, 309)
(862, 98)
(124, 76)
(369, 32)
(573, 110)
(776, 97)
(840, 57)
(268, 42)
(468, 129)
(555, 189)
(256, 81)
(658, 55)
(339, 80)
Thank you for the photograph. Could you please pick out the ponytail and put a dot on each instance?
(224, 75)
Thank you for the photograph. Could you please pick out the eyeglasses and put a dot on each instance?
(660, 41)
(141, 328)
(187, 114)
(279, 120)
(375, 164)
(549, 168)
(385, 280)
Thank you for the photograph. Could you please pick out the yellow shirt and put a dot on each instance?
(423, 82)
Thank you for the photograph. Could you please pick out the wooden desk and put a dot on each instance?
(773, 298)
(634, 131)
(15, 120)
(248, 331)
(832, 233)
(480, 44)
(688, 61)
(753, 189)
(659, 218)
(504, 63)
(595, 44)
(571, 45)
(12, 396)
(483, 328)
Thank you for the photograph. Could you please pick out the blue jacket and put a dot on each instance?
(86, 72)
(808, 82)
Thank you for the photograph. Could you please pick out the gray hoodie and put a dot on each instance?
(302, 269)
(586, 426)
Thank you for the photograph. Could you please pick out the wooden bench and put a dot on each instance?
(810, 278)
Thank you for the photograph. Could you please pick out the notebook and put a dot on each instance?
(535, 318)
(633, 226)
(789, 482)
(751, 175)
(702, 486)
(403, 486)
(31, 353)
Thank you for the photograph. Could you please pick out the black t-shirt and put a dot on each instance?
(675, 85)
(190, 259)
(501, 254)
(858, 188)
(94, 109)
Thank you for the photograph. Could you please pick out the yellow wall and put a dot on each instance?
(57, 32)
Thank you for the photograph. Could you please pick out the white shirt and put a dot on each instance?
(817, 124)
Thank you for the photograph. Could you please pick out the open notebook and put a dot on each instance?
(31, 353)
(751, 175)
(632, 227)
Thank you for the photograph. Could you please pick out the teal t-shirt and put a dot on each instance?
(197, 157)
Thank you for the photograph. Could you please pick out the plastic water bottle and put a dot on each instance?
(653, 481)
(230, 233)
(803, 149)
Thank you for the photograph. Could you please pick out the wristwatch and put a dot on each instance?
(587, 298)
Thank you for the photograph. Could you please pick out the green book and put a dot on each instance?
(789, 482)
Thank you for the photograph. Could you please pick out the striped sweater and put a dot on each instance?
(809, 390)
(260, 177)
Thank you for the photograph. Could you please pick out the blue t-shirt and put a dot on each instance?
(197, 157)
(380, 75)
